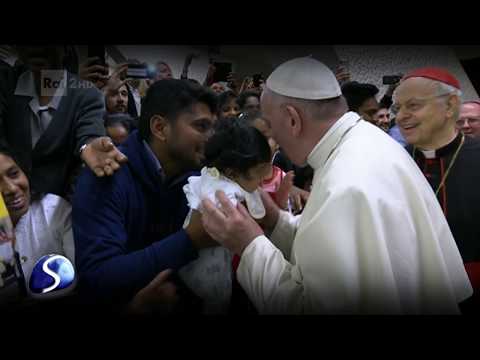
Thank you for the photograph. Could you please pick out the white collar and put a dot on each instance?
(429, 154)
(328, 142)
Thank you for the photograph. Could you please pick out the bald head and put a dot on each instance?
(469, 120)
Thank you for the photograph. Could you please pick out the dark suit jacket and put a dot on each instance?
(78, 118)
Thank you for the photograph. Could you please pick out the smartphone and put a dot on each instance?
(222, 69)
(97, 51)
(257, 79)
(391, 79)
(138, 71)
(115, 54)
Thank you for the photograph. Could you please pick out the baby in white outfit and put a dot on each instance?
(238, 158)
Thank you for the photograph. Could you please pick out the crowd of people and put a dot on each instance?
(301, 193)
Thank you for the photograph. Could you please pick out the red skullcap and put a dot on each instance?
(436, 74)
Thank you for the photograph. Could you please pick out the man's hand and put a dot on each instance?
(391, 88)
(4, 238)
(95, 73)
(102, 157)
(231, 226)
(159, 296)
(284, 189)
(116, 80)
(210, 73)
(298, 199)
(232, 82)
(197, 234)
(8, 54)
(342, 74)
(189, 59)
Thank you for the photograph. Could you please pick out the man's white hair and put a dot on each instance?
(443, 88)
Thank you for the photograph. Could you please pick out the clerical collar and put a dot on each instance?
(327, 143)
(444, 151)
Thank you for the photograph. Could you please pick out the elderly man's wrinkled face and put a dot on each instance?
(277, 119)
(421, 113)
(217, 88)
(469, 121)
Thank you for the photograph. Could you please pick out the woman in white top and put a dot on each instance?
(42, 225)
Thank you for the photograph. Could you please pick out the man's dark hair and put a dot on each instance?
(224, 98)
(242, 99)
(171, 97)
(119, 118)
(236, 146)
(356, 93)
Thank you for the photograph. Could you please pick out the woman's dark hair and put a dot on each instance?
(236, 146)
(33, 195)
(169, 98)
(224, 98)
(242, 99)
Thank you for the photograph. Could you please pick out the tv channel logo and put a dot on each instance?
(51, 273)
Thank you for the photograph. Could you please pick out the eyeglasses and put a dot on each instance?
(415, 104)
(469, 121)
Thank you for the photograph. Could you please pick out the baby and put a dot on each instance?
(237, 160)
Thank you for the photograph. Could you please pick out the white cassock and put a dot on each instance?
(371, 240)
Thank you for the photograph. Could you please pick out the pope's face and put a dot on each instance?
(277, 120)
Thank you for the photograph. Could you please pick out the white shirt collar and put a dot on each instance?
(429, 154)
(327, 143)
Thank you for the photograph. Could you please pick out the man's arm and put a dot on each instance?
(90, 123)
(93, 147)
(106, 268)
(284, 232)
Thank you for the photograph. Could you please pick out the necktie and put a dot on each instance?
(42, 123)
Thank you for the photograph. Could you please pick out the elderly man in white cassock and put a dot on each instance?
(372, 238)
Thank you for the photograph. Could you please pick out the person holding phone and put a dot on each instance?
(64, 126)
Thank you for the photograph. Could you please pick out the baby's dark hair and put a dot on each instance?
(236, 146)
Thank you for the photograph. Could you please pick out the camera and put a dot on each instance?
(139, 71)
(257, 79)
(391, 79)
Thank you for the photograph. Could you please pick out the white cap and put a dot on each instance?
(304, 78)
